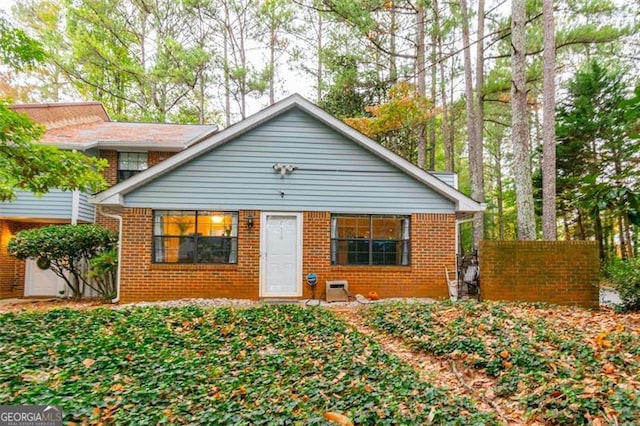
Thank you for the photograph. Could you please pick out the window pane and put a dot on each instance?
(353, 227)
(385, 252)
(386, 228)
(174, 249)
(136, 161)
(358, 253)
(174, 222)
(218, 224)
(141, 161)
(215, 249)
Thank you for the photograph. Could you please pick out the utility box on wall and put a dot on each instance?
(337, 291)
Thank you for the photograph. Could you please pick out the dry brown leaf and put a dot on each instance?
(338, 418)
(88, 362)
(116, 387)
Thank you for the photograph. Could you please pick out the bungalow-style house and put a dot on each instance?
(85, 126)
(252, 210)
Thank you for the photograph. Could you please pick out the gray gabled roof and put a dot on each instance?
(114, 195)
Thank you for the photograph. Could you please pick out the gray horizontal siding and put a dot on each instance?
(86, 211)
(333, 173)
(54, 205)
(448, 178)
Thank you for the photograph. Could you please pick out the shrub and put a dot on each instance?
(103, 271)
(625, 276)
(66, 249)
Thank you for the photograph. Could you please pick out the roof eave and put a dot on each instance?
(115, 200)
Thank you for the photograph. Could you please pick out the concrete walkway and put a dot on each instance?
(25, 301)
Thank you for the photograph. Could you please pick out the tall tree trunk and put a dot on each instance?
(622, 236)
(599, 234)
(272, 65)
(582, 235)
(565, 222)
(434, 94)
(549, 220)
(500, 195)
(519, 124)
(477, 192)
(636, 238)
(452, 102)
(627, 233)
(393, 67)
(475, 150)
(227, 79)
(319, 63)
(449, 161)
(422, 83)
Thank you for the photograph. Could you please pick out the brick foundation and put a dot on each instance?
(432, 248)
(557, 272)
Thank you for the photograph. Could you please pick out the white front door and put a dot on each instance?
(281, 255)
(41, 282)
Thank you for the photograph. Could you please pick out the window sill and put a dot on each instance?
(193, 267)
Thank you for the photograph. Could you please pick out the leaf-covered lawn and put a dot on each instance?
(565, 366)
(268, 364)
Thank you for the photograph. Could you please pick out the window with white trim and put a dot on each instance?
(370, 240)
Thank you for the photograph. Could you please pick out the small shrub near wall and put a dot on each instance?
(67, 251)
(625, 276)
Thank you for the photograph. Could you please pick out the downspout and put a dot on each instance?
(119, 219)
(75, 207)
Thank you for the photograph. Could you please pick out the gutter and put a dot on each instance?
(119, 219)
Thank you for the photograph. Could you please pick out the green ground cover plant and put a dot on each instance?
(564, 366)
(191, 365)
(624, 274)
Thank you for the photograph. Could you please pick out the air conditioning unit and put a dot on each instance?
(337, 291)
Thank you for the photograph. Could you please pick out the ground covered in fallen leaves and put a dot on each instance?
(555, 365)
(225, 365)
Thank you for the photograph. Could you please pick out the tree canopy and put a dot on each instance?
(24, 163)
(198, 61)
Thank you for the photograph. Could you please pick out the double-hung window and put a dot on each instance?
(131, 163)
(190, 236)
(370, 240)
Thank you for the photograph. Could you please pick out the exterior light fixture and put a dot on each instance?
(250, 222)
(284, 169)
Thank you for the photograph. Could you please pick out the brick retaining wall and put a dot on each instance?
(557, 272)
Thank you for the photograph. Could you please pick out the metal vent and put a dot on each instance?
(337, 291)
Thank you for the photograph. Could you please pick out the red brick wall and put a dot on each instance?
(155, 157)
(432, 248)
(557, 272)
(111, 171)
(12, 270)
